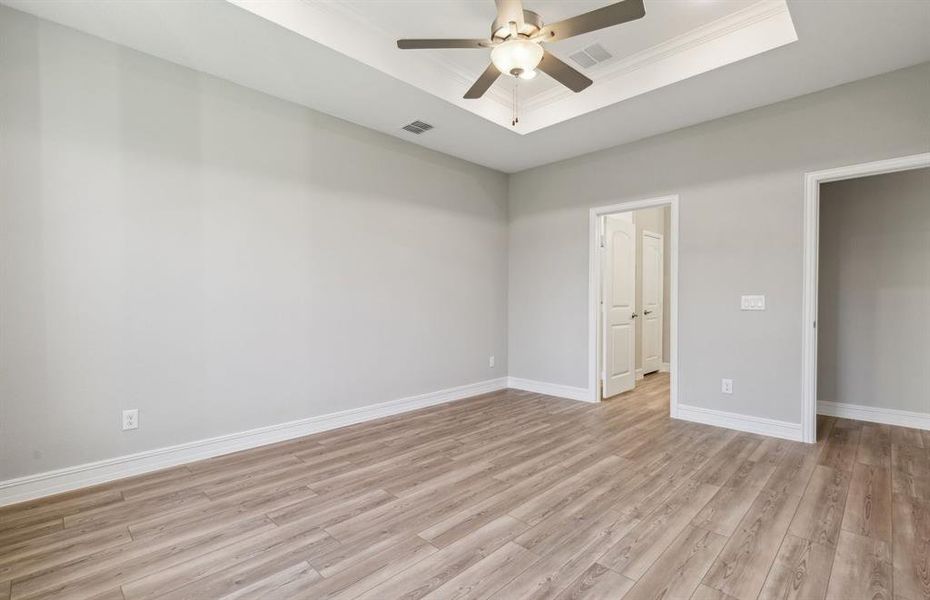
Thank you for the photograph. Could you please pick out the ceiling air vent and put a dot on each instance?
(591, 56)
(417, 127)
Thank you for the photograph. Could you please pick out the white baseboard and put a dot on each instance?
(665, 368)
(551, 389)
(750, 424)
(71, 478)
(873, 414)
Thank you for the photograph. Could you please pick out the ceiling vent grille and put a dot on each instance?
(417, 127)
(591, 56)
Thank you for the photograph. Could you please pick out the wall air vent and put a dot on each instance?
(591, 56)
(417, 127)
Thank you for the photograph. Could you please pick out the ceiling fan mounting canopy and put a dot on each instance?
(516, 41)
(532, 25)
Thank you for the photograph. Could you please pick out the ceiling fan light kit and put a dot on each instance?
(516, 42)
(518, 57)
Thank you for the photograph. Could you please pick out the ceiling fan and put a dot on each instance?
(516, 38)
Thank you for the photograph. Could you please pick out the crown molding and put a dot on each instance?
(732, 23)
(347, 29)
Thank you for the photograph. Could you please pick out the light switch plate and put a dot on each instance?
(752, 303)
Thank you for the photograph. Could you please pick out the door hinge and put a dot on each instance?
(603, 241)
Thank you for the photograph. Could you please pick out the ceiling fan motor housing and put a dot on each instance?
(532, 24)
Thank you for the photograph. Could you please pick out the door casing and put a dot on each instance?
(594, 281)
(812, 181)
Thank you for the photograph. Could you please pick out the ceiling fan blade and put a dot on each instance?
(564, 74)
(487, 78)
(510, 11)
(613, 14)
(428, 44)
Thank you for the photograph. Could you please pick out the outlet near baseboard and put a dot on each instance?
(130, 419)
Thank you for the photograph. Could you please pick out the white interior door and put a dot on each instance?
(653, 283)
(618, 300)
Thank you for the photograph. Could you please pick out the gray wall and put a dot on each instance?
(739, 179)
(874, 293)
(218, 258)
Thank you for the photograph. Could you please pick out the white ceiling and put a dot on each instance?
(838, 41)
(677, 39)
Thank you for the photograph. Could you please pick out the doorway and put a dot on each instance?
(810, 299)
(633, 292)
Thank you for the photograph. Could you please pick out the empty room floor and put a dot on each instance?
(507, 495)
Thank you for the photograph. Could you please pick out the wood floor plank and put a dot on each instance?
(596, 583)
(794, 470)
(905, 436)
(910, 471)
(102, 570)
(868, 505)
(862, 569)
(723, 513)
(820, 514)
(911, 547)
(633, 554)
(558, 569)
(842, 444)
(875, 445)
(679, 570)
(364, 572)
(506, 495)
(301, 573)
(25, 533)
(801, 571)
(484, 578)
(704, 592)
(743, 564)
(208, 575)
(439, 567)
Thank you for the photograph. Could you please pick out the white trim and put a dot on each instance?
(593, 305)
(550, 389)
(664, 368)
(874, 414)
(71, 478)
(750, 424)
(812, 183)
(757, 28)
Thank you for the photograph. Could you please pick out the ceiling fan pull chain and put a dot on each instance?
(516, 115)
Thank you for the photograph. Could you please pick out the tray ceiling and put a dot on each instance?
(837, 42)
(675, 40)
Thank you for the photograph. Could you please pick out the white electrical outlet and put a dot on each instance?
(726, 386)
(130, 419)
(752, 303)
(491, 362)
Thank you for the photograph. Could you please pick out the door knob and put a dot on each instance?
(647, 312)
(634, 316)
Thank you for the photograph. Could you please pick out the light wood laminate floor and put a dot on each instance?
(508, 495)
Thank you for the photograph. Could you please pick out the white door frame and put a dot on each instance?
(812, 183)
(594, 266)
